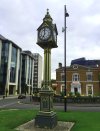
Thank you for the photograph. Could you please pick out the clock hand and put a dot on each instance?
(44, 31)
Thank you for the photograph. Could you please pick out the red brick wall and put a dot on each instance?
(83, 79)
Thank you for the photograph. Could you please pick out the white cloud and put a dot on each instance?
(93, 20)
(19, 20)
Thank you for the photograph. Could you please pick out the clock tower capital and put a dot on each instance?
(47, 33)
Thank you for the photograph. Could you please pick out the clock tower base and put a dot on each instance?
(48, 121)
(46, 117)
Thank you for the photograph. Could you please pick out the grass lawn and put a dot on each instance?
(84, 121)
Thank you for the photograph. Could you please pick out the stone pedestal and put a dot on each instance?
(44, 120)
(46, 117)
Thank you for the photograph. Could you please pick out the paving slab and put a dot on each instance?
(61, 126)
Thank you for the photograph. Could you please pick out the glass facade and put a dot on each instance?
(19, 74)
(23, 78)
(4, 63)
(16, 68)
(27, 68)
(13, 65)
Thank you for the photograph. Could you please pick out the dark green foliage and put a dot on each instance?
(71, 94)
(77, 94)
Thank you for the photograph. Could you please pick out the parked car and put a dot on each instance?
(21, 96)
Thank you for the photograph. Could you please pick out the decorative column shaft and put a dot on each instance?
(47, 69)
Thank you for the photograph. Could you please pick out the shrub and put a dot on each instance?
(77, 94)
(71, 94)
(62, 93)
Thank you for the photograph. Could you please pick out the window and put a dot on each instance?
(62, 77)
(89, 89)
(75, 77)
(89, 76)
(62, 88)
(75, 66)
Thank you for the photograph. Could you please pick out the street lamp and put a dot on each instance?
(64, 30)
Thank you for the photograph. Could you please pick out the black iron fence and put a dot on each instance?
(80, 100)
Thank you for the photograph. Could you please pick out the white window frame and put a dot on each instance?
(91, 74)
(75, 77)
(62, 74)
(76, 86)
(62, 88)
(87, 87)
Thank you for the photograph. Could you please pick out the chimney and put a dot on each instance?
(60, 65)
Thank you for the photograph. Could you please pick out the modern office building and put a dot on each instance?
(37, 80)
(80, 79)
(9, 67)
(20, 71)
(27, 71)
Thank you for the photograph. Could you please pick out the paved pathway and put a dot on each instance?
(13, 103)
(61, 126)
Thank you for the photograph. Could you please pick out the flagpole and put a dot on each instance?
(65, 91)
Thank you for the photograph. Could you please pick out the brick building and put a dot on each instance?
(82, 79)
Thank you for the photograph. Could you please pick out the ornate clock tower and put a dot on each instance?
(46, 39)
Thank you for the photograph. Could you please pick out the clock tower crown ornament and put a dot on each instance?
(47, 17)
(47, 33)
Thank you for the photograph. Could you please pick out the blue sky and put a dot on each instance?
(19, 20)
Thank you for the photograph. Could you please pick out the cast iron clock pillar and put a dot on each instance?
(47, 39)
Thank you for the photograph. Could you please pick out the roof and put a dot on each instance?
(76, 67)
(7, 40)
(2, 37)
(27, 52)
(84, 62)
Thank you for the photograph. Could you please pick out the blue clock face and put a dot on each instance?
(44, 33)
